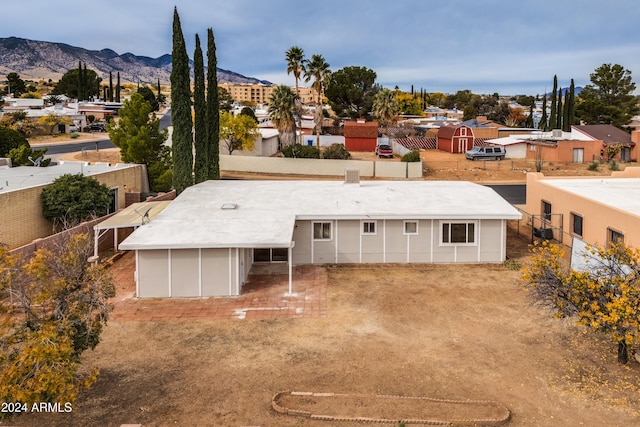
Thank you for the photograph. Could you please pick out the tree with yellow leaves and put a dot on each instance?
(605, 296)
(53, 308)
(52, 120)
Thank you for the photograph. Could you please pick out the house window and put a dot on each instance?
(614, 236)
(321, 231)
(546, 211)
(368, 227)
(411, 227)
(576, 224)
(458, 233)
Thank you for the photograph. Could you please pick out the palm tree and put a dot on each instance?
(282, 103)
(317, 68)
(296, 65)
(385, 107)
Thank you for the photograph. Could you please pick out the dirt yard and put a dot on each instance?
(438, 331)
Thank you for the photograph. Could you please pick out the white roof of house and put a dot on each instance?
(18, 178)
(507, 140)
(265, 211)
(619, 193)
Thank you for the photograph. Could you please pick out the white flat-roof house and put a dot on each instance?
(205, 241)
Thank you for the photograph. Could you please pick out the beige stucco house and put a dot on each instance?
(206, 241)
(21, 219)
(597, 210)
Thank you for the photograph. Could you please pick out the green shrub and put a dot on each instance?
(411, 156)
(336, 151)
(73, 135)
(301, 151)
(613, 165)
(593, 166)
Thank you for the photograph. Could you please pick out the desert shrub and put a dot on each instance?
(593, 166)
(614, 166)
(411, 156)
(10, 139)
(73, 135)
(336, 151)
(301, 151)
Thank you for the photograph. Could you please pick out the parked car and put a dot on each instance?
(486, 153)
(98, 127)
(384, 150)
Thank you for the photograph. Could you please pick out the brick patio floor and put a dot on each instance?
(264, 296)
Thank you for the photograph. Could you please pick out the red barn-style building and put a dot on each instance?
(455, 139)
(360, 136)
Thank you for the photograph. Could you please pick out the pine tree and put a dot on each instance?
(543, 121)
(554, 106)
(559, 110)
(110, 86)
(182, 139)
(118, 88)
(200, 116)
(213, 110)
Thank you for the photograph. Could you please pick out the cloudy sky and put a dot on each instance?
(505, 46)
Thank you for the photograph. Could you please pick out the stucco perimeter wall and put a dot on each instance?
(389, 244)
(320, 167)
(21, 219)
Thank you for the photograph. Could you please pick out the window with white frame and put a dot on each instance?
(458, 233)
(368, 227)
(321, 231)
(411, 227)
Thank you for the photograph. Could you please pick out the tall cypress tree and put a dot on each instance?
(200, 116)
(85, 83)
(118, 88)
(213, 110)
(566, 122)
(182, 139)
(554, 106)
(79, 81)
(559, 110)
(159, 92)
(110, 86)
(543, 121)
(572, 104)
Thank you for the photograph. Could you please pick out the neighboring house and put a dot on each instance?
(360, 135)
(455, 139)
(21, 219)
(516, 148)
(611, 135)
(594, 209)
(265, 145)
(206, 241)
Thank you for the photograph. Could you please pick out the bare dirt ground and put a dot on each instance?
(440, 331)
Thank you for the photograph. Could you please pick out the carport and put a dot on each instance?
(133, 216)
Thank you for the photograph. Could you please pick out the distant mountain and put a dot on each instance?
(565, 90)
(46, 60)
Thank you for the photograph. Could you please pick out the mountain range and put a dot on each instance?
(37, 60)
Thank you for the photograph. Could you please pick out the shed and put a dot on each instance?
(455, 139)
(360, 136)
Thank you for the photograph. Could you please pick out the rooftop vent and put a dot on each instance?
(352, 176)
(228, 206)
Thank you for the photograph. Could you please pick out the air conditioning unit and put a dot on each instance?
(556, 133)
(352, 176)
